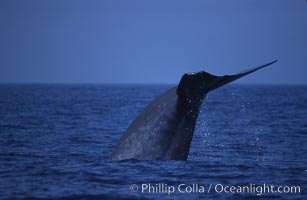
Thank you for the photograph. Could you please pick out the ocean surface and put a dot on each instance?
(56, 140)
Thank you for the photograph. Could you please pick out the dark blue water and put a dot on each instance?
(55, 141)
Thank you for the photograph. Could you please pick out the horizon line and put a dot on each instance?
(136, 83)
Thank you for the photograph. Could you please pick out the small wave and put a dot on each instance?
(85, 196)
(15, 154)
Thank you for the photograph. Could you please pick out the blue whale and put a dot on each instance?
(165, 128)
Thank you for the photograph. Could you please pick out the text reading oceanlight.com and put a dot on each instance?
(163, 188)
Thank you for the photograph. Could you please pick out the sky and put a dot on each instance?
(142, 41)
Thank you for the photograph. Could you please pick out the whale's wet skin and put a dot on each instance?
(164, 130)
(56, 140)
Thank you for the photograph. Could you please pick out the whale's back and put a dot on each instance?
(151, 133)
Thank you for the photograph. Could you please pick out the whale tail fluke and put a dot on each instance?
(218, 81)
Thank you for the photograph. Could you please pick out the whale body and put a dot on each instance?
(165, 128)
